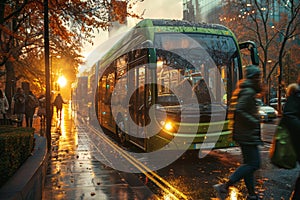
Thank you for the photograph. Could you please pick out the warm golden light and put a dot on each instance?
(160, 63)
(167, 197)
(62, 81)
(234, 193)
(168, 126)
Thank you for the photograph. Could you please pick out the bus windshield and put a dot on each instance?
(209, 62)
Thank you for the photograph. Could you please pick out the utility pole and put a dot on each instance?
(47, 74)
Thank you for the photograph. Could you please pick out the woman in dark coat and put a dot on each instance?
(291, 119)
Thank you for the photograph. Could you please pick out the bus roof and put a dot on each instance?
(147, 27)
(178, 23)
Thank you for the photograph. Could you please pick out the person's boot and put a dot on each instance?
(252, 197)
(222, 191)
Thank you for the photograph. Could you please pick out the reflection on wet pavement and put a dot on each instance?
(77, 170)
(73, 173)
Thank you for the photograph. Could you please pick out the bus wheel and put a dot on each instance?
(120, 132)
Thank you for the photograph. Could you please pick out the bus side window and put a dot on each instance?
(102, 86)
(109, 87)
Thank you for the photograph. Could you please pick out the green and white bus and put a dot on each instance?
(167, 84)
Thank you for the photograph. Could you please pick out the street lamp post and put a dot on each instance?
(279, 89)
(269, 82)
(280, 71)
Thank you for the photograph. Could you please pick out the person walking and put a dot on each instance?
(244, 120)
(18, 103)
(42, 109)
(58, 103)
(31, 103)
(4, 106)
(291, 119)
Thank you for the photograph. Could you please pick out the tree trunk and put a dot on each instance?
(10, 85)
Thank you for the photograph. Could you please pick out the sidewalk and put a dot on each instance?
(73, 173)
(27, 181)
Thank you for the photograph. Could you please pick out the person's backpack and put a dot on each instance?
(32, 102)
(20, 99)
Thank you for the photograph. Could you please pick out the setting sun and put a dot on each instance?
(62, 81)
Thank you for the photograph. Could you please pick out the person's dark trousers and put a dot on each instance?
(29, 118)
(296, 193)
(29, 121)
(20, 119)
(251, 159)
(59, 110)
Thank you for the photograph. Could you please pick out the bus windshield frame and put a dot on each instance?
(196, 57)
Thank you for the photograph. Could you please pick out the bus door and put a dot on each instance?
(106, 87)
(138, 104)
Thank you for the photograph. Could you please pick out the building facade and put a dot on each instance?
(202, 10)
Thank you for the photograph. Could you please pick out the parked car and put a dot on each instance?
(266, 113)
(274, 102)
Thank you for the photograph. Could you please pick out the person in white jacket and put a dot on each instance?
(4, 106)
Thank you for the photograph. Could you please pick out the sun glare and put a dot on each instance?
(62, 81)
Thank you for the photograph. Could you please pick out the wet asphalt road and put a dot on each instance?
(75, 173)
(196, 177)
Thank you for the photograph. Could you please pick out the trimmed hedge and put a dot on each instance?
(16, 145)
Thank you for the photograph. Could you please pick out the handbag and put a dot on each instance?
(282, 153)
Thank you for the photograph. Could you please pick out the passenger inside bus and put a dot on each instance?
(184, 91)
(202, 92)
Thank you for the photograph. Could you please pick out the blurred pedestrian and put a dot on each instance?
(18, 104)
(291, 119)
(58, 103)
(42, 109)
(31, 103)
(243, 115)
(4, 106)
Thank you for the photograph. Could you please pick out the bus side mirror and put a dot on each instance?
(251, 46)
(147, 44)
(254, 56)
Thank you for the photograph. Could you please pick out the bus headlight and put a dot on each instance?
(168, 126)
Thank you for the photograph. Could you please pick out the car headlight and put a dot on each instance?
(276, 112)
(261, 112)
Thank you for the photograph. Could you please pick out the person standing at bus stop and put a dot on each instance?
(58, 103)
(245, 123)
